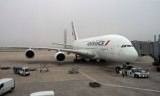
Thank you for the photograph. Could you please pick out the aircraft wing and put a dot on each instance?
(84, 53)
(25, 48)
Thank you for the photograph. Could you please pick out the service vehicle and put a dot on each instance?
(16, 69)
(25, 71)
(138, 73)
(32, 69)
(5, 68)
(21, 71)
(43, 93)
(6, 85)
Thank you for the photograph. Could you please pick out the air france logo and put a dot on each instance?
(98, 43)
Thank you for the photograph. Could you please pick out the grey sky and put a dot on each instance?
(41, 22)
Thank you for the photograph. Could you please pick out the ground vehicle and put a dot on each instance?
(32, 69)
(25, 71)
(134, 72)
(43, 93)
(21, 71)
(137, 73)
(5, 68)
(17, 69)
(6, 85)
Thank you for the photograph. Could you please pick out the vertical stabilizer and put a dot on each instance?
(74, 32)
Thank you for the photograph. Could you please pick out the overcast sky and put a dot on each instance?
(41, 22)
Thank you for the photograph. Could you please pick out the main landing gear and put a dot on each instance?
(80, 59)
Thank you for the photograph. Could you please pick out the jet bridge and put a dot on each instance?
(149, 48)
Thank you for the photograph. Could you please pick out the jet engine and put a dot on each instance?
(60, 56)
(30, 53)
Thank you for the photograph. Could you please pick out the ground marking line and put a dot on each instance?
(131, 87)
(89, 77)
(142, 89)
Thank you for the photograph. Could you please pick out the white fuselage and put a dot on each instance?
(113, 48)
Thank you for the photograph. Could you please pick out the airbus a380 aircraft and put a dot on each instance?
(112, 48)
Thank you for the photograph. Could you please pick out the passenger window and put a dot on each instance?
(1, 86)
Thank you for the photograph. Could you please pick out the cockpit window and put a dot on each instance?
(123, 46)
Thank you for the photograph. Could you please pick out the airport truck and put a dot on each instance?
(25, 71)
(21, 71)
(16, 69)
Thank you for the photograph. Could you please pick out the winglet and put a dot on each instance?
(74, 32)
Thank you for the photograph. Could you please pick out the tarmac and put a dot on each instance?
(64, 84)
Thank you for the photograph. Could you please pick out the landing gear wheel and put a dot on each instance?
(92, 60)
(83, 60)
(76, 60)
(11, 90)
(136, 76)
(127, 63)
(101, 60)
(117, 69)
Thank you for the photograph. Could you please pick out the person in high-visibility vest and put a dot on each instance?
(123, 72)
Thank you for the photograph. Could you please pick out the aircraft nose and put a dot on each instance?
(134, 55)
(131, 55)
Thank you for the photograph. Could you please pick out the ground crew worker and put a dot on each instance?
(123, 72)
(147, 70)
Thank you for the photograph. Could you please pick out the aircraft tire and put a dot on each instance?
(83, 60)
(102, 61)
(76, 60)
(136, 76)
(92, 60)
(118, 69)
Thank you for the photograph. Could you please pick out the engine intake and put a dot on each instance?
(60, 56)
(30, 53)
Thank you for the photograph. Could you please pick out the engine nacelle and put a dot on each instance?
(60, 56)
(30, 53)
